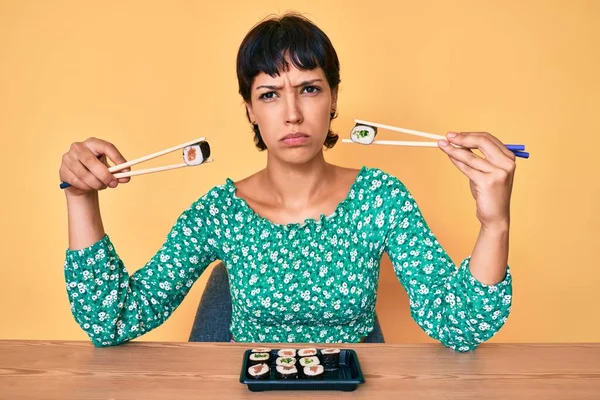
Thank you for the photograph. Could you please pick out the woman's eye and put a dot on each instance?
(271, 95)
(311, 89)
(267, 95)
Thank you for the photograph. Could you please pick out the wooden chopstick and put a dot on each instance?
(157, 169)
(154, 155)
(119, 167)
(397, 143)
(517, 149)
(402, 130)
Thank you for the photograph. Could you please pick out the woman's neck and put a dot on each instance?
(296, 185)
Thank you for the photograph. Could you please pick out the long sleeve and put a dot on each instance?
(448, 303)
(112, 307)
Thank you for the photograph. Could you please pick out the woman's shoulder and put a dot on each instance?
(376, 178)
(217, 197)
(375, 186)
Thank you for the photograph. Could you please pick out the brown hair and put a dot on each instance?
(264, 49)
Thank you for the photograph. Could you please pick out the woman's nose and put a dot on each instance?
(293, 113)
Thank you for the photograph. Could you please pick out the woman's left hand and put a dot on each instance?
(491, 178)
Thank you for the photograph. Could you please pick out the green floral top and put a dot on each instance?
(304, 282)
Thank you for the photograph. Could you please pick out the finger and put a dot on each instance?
(467, 157)
(482, 142)
(110, 150)
(99, 146)
(86, 180)
(511, 165)
(83, 174)
(127, 179)
(500, 145)
(472, 174)
(95, 166)
(68, 176)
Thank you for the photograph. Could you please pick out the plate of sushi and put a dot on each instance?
(301, 369)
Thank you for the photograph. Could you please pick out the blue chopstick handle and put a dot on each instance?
(521, 154)
(513, 147)
(64, 185)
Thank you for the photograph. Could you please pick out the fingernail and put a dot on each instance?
(443, 143)
(113, 184)
(451, 134)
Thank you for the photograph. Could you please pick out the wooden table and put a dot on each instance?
(143, 370)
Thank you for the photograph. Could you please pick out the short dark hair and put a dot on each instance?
(264, 49)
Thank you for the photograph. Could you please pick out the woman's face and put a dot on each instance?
(292, 111)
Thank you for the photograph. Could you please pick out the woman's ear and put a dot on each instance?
(250, 113)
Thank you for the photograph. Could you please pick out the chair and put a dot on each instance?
(213, 316)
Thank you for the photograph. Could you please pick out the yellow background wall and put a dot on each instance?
(147, 75)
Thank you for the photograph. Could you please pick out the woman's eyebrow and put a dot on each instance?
(272, 87)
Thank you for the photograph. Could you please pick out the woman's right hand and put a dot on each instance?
(85, 167)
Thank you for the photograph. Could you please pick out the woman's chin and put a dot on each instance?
(298, 155)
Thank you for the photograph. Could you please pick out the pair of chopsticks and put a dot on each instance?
(119, 167)
(517, 149)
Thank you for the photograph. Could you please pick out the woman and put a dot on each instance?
(302, 239)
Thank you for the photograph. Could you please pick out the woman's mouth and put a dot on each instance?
(295, 139)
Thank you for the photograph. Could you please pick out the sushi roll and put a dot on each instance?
(286, 372)
(259, 371)
(261, 350)
(330, 357)
(285, 361)
(286, 353)
(258, 358)
(307, 361)
(314, 372)
(197, 153)
(363, 134)
(307, 352)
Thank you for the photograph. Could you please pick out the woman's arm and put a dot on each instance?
(108, 304)
(490, 254)
(113, 307)
(85, 167)
(85, 221)
(449, 304)
(491, 180)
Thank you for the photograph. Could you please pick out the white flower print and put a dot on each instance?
(312, 281)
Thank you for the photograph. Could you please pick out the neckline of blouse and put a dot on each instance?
(295, 225)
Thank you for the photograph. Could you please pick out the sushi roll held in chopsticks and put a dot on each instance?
(363, 134)
(197, 153)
